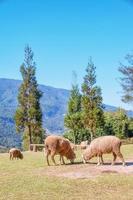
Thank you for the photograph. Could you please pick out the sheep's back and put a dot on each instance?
(105, 144)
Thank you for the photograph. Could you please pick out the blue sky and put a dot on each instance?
(63, 35)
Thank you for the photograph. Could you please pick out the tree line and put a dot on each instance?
(85, 118)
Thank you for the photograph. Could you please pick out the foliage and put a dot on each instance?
(72, 119)
(92, 111)
(109, 121)
(130, 127)
(117, 123)
(126, 80)
(28, 116)
(121, 124)
(82, 135)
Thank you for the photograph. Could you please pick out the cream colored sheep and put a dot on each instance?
(103, 145)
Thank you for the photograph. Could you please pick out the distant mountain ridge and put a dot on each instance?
(109, 108)
(53, 103)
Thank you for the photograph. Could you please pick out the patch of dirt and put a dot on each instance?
(83, 171)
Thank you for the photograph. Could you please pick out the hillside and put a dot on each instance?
(53, 103)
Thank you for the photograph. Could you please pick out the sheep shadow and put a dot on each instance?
(128, 163)
(75, 163)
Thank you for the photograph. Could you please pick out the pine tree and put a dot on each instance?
(28, 116)
(92, 112)
(73, 117)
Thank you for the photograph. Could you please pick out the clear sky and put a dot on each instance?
(63, 35)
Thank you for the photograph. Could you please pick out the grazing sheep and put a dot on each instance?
(58, 145)
(15, 153)
(84, 144)
(103, 145)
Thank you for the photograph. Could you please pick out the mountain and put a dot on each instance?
(54, 107)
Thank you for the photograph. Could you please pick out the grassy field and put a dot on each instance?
(26, 180)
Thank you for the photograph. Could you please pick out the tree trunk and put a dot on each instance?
(30, 138)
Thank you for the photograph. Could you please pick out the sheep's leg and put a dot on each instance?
(52, 157)
(47, 155)
(114, 158)
(102, 159)
(60, 160)
(121, 157)
(63, 160)
(10, 156)
(98, 160)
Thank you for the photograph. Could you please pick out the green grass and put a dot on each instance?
(25, 180)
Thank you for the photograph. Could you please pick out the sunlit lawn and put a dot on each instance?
(21, 180)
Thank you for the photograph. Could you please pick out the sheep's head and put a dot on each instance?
(87, 155)
(21, 156)
(71, 157)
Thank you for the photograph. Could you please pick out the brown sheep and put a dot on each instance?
(103, 145)
(15, 153)
(58, 145)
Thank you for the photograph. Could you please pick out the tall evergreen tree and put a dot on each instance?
(92, 112)
(73, 117)
(28, 116)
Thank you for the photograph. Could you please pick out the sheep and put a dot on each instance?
(103, 145)
(84, 144)
(15, 153)
(58, 145)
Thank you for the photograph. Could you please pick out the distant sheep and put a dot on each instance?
(15, 153)
(73, 146)
(58, 145)
(84, 144)
(103, 145)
